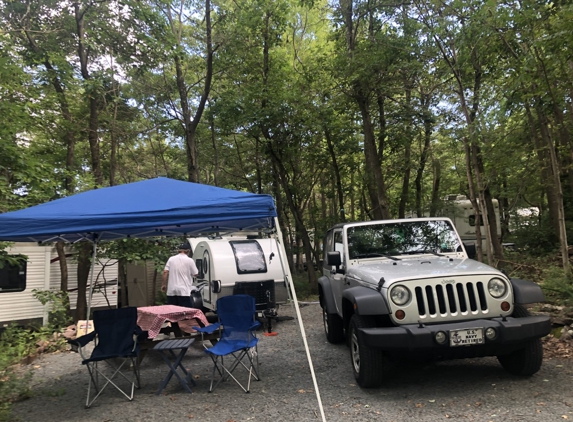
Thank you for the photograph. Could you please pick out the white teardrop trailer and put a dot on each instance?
(239, 265)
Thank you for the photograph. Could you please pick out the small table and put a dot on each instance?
(166, 349)
(151, 318)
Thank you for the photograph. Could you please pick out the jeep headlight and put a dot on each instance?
(497, 287)
(400, 295)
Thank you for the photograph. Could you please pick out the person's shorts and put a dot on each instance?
(180, 301)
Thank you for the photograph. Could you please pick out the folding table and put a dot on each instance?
(166, 349)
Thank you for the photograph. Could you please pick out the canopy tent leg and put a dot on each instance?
(288, 275)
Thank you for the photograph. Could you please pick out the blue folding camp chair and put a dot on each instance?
(116, 335)
(238, 340)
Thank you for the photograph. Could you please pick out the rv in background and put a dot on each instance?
(42, 272)
(460, 210)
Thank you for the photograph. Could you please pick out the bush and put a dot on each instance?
(15, 344)
(535, 239)
(558, 288)
(58, 315)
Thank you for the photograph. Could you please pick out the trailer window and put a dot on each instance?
(472, 220)
(13, 277)
(249, 257)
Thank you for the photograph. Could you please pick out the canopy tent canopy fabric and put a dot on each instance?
(154, 207)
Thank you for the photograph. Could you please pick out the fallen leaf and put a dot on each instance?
(565, 417)
(478, 403)
(301, 391)
(191, 416)
(419, 405)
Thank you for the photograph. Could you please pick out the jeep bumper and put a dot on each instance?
(414, 337)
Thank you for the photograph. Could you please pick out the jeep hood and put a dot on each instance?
(417, 268)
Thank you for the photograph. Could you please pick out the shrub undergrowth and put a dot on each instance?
(18, 344)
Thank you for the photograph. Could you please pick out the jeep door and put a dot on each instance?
(337, 280)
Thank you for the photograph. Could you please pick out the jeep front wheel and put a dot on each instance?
(333, 327)
(527, 360)
(367, 362)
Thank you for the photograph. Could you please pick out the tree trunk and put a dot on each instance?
(296, 212)
(437, 177)
(190, 123)
(555, 178)
(63, 266)
(373, 170)
(122, 281)
(337, 177)
(84, 265)
(92, 96)
(546, 179)
(407, 167)
(428, 127)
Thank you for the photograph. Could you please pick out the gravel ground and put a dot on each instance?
(472, 390)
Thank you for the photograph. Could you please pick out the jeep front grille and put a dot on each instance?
(451, 299)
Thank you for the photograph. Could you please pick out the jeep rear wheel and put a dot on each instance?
(527, 360)
(333, 327)
(367, 362)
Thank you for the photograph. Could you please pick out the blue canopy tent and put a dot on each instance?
(154, 207)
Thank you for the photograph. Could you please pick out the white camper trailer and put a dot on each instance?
(460, 210)
(42, 272)
(239, 266)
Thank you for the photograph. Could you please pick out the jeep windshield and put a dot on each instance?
(402, 238)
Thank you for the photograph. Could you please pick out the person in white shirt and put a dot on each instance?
(178, 277)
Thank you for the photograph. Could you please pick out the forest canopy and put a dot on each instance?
(342, 110)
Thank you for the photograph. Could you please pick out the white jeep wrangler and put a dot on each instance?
(406, 288)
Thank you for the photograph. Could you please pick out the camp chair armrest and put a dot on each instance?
(255, 325)
(209, 329)
(83, 340)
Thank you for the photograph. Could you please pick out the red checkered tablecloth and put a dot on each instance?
(152, 318)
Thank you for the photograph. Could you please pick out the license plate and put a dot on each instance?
(466, 337)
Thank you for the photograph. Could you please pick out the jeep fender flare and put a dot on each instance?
(366, 301)
(325, 295)
(525, 291)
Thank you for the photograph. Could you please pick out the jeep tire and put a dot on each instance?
(527, 360)
(333, 327)
(367, 362)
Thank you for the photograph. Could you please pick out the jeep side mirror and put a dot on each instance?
(334, 259)
(471, 250)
